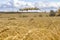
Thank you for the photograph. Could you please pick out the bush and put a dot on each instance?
(23, 16)
(40, 15)
(58, 12)
(52, 13)
(12, 19)
(31, 19)
(46, 15)
(35, 16)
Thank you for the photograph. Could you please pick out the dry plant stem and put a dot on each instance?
(8, 37)
(4, 30)
(26, 35)
(51, 22)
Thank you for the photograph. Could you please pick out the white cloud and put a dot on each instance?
(22, 4)
(19, 4)
(49, 4)
(54, 4)
(5, 2)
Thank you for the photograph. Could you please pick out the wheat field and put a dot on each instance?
(29, 27)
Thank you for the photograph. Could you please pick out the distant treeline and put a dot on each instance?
(51, 13)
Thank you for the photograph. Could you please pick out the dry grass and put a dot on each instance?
(29, 27)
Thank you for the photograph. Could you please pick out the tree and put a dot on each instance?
(52, 13)
(29, 9)
(58, 12)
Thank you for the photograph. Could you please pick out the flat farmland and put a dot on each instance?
(29, 26)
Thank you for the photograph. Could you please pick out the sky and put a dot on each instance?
(15, 5)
